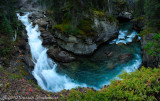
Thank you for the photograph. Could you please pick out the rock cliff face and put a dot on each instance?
(105, 31)
(149, 61)
(76, 44)
(101, 30)
(100, 26)
(28, 5)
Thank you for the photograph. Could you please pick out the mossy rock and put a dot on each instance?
(85, 25)
(67, 29)
(141, 18)
(99, 13)
(83, 30)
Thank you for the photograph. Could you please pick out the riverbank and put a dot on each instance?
(15, 88)
(22, 56)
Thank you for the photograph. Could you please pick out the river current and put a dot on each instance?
(95, 71)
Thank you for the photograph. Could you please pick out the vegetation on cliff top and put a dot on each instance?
(153, 47)
(140, 85)
(147, 11)
(84, 25)
(73, 13)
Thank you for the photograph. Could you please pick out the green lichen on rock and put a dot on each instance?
(67, 29)
(84, 28)
(99, 13)
(85, 25)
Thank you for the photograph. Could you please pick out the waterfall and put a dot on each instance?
(45, 69)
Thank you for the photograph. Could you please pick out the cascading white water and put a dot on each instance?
(124, 38)
(45, 69)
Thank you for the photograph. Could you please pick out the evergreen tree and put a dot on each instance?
(139, 8)
(152, 14)
(8, 18)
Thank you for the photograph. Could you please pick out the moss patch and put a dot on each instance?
(99, 13)
(67, 29)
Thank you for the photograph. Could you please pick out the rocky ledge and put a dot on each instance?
(77, 44)
(105, 31)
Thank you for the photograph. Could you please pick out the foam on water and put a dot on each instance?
(45, 69)
(124, 37)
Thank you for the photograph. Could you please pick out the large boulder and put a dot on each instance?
(126, 15)
(41, 22)
(40, 18)
(138, 23)
(77, 48)
(27, 5)
(36, 15)
(48, 38)
(60, 55)
(105, 30)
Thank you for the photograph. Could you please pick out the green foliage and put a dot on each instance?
(139, 9)
(6, 51)
(74, 12)
(119, 5)
(8, 18)
(150, 11)
(103, 15)
(153, 47)
(139, 18)
(1, 69)
(141, 85)
(146, 31)
(152, 8)
(14, 76)
(9, 25)
(85, 25)
(6, 28)
(67, 29)
(6, 46)
(99, 13)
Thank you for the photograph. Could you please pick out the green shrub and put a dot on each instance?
(67, 29)
(141, 85)
(6, 51)
(153, 47)
(6, 28)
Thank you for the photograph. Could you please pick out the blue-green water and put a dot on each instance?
(94, 71)
(97, 70)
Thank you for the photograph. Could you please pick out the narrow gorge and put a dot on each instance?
(95, 71)
(80, 50)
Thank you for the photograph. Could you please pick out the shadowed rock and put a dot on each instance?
(125, 57)
(60, 55)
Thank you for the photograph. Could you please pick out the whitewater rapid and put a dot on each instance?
(45, 69)
(124, 38)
